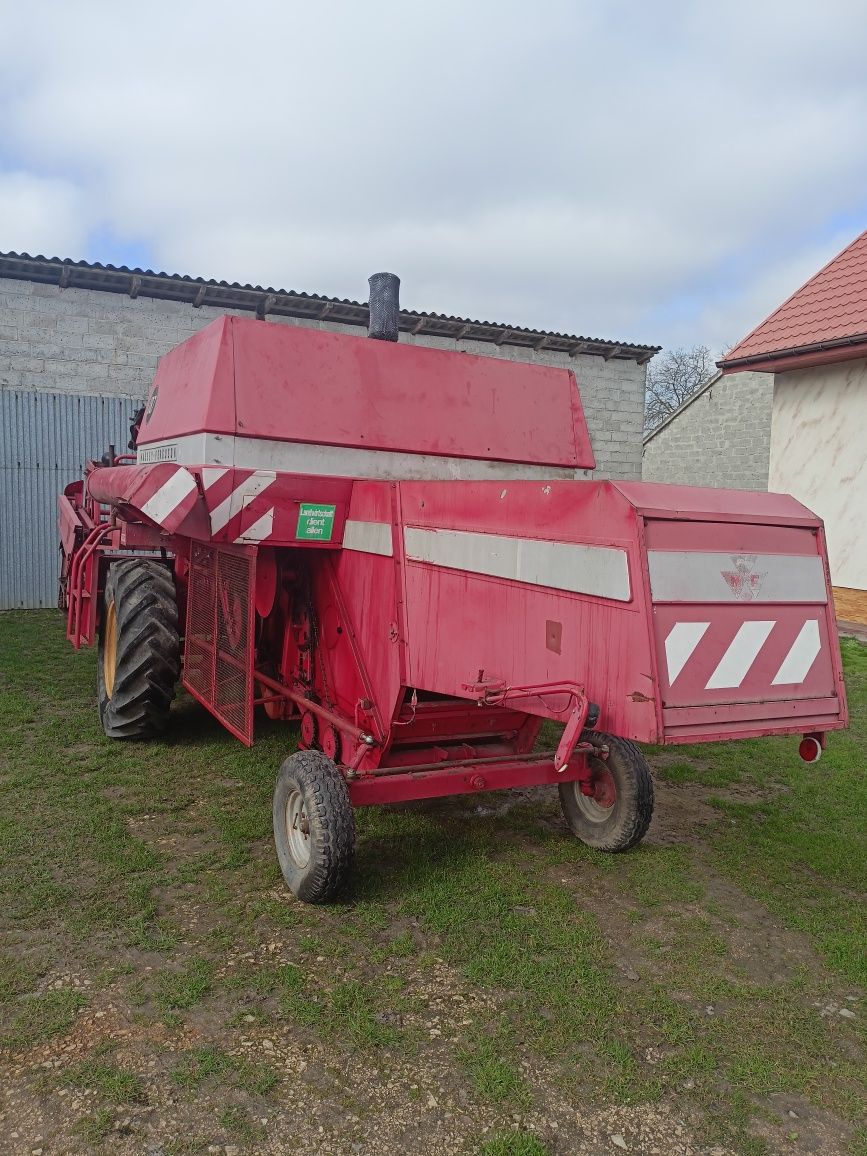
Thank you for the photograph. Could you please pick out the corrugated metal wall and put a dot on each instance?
(45, 439)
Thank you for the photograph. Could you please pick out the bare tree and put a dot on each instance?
(671, 378)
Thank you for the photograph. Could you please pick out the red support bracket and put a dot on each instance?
(573, 729)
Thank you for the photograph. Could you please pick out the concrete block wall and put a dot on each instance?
(721, 438)
(85, 341)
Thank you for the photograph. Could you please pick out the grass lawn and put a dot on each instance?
(489, 985)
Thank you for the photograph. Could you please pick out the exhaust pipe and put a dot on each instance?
(384, 324)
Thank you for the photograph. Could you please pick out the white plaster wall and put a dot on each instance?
(819, 454)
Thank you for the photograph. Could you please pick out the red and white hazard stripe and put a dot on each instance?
(738, 658)
(169, 504)
(164, 493)
(239, 505)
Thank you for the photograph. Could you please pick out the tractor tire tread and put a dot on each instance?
(332, 821)
(147, 663)
(634, 805)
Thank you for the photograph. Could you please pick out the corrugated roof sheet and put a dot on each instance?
(288, 303)
(830, 310)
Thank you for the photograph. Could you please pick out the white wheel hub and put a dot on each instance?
(297, 829)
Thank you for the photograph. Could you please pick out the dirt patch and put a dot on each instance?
(805, 1128)
(679, 815)
(388, 1104)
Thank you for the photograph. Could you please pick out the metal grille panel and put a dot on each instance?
(218, 647)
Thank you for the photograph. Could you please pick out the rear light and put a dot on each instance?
(810, 749)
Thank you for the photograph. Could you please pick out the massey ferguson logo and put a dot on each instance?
(745, 580)
(152, 401)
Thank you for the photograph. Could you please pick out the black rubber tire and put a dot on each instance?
(148, 649)
(328, 812)
(632, 811)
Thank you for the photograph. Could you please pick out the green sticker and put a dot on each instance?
(315, 523)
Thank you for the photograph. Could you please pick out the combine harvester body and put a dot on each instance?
(397, 547)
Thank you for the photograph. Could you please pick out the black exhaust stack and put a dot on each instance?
(384, 322)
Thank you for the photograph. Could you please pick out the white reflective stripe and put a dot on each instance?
(170, 495)
(682, 640)
(742, 652)
(240, 497)
(212, 474)
(368, 537)
(598, 570)
(205, 449)
(260, 529)
(696, 576)
(797, 663)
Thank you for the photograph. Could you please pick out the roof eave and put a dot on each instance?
(311, 307)
(799, 356)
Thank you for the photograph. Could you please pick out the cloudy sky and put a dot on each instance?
(649, 171)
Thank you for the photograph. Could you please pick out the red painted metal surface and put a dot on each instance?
(235, 377)
(696, 504)
(167, 495)
(458, 780)
(426, 628)
(787, 621)
(193, 389)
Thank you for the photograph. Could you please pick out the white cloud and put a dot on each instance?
(41, 215)
(634, 171)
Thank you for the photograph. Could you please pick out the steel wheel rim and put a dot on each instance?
(597, 808)
(297, 829)
(109, 648)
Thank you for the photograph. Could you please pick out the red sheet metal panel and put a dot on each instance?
(666, 623)
(193, 388)
(744, 628)
(655, 499)
(168, 495)
(292, 384)
(485, 592)
(367, 573)
(715, 653)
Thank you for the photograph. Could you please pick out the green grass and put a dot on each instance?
(108, 1079)
(804, 828)
(494, 1078)
(200, 1065)
(354, 1014)
(237, 1123)
(149, 866)
(183, 989)
(96, 1126)
(514, 1143)
(35, 1018)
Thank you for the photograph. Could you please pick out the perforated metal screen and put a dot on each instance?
(218, 647)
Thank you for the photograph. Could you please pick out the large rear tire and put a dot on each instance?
(617, 814)
(139, 649)
(314, 826)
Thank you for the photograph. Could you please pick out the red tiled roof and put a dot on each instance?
(830, 308)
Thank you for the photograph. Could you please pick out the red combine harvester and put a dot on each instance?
(391, 545)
